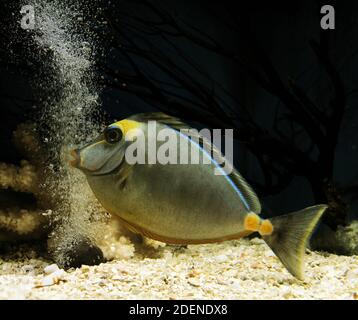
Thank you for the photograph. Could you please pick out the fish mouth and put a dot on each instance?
(76, 158)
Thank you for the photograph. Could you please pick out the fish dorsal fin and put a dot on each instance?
(175, 123)
(249, 194)
(160, 117)
(238, 180)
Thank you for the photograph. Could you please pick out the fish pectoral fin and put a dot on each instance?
(123, 173)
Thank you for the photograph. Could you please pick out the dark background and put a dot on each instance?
(265, 69)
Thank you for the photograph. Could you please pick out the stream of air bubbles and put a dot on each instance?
(73, 99)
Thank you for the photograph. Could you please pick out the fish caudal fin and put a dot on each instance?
(290, 235)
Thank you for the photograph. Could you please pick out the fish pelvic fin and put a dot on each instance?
(290, 235)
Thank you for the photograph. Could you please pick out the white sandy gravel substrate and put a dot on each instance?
(242, 269)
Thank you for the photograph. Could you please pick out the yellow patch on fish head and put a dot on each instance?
(128, 127)
(266, 228)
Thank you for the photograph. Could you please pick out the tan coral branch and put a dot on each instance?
(23, 178)
(21, 221)
(27, 142)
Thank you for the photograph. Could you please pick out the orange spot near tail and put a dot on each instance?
(252, 222)
(266, 228)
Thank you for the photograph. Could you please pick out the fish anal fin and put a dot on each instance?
(170, 240)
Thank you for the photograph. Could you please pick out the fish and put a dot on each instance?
(186, 203)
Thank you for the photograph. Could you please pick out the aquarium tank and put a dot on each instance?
(172, 150)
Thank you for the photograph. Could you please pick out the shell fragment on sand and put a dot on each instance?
(54, 275)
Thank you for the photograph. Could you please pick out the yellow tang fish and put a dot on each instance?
(186, 204)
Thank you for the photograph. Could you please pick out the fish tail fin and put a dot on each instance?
(290, 235)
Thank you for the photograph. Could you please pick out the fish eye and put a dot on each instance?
(113, 135)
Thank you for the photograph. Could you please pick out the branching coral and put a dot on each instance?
(26, 140)
(113, 243)
(22, 179)
(22, 220)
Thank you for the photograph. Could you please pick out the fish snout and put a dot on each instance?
(76, 158)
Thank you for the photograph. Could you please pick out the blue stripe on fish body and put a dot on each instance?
(221, 169)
